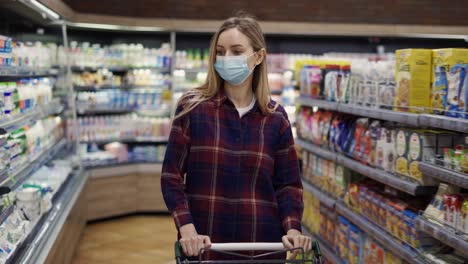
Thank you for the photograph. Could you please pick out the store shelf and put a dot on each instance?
(38, 244)
(119, 69)
(327, 251)
(378, 113)
(389, 179)
(306, 101)
(103, 111)
(403, 251)
(444, 122)
(443, 234)
(319, 194)
(192, 70)
(92, 88)
(384, 177)
(129, 140)
(447, 175)
(324, 153)
(119, 164)
(29, 72)
(17, 121)
(18, 177)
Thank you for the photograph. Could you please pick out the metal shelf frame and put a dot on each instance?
(412, 119)
(443, 234)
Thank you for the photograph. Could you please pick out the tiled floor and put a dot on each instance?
(134, 239)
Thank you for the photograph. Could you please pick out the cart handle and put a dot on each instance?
(257, 246)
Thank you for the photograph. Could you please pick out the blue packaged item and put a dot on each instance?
(347, 135)
(455, 81)
(439, 90)
(463, 96)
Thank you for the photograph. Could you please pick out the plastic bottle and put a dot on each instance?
(3, 88)
(9, 99)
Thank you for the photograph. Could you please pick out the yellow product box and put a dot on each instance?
(443, 62)
(413, 80)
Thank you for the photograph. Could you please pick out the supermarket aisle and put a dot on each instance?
(134, 239)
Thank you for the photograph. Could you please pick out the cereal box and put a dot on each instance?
(385, 149)
(443, 61)
(413, 80)
(402, 144)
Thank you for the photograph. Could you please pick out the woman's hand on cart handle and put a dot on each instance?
(295, 239)
(191, 241)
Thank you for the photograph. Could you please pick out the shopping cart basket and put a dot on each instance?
(229, 249)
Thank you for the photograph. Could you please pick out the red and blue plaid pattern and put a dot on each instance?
(236, 179)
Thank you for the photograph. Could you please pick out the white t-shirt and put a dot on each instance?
(243, 110)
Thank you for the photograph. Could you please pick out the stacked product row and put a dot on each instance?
(346, 240)
(392, 211)
(118, 153)
(118, 127)
(18, 97)
(383, 145)
(117, 99)
(450, 208)
(25, 144)
(416, 80)
(137, 77)
(21, 54)
(31, 200)
(119, 55)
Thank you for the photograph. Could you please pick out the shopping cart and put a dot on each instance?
(229, 249)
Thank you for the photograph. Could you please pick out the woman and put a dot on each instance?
(231, 173)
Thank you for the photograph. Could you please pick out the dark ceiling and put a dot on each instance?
(425, 12)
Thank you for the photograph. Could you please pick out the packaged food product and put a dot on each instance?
(331, 82)
(374, 132)
(385, 149)
(316, 132)
(391, 259)
(342, 244)
(435, 211)
(355, 244)
(343, 88)
(352, 196)
(444, 59)
(373, 252)
(454, 210)
(463, 97)
(455, 80)
(357, 146)
(331, 177)
(341, 174)
(448, 217)
(401, 166)
(413, 77)
(464, 162)
(439, 90)
(463, 224)
(325, 123)
(310, 81)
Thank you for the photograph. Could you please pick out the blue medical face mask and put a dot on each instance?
(233, 69)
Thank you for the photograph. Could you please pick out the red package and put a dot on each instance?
(447, 205)
(455, 209)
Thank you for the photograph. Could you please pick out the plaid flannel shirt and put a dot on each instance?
(236, 179)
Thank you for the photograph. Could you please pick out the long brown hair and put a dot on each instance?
(248, 26)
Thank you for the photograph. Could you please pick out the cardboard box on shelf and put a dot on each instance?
(413, 80)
